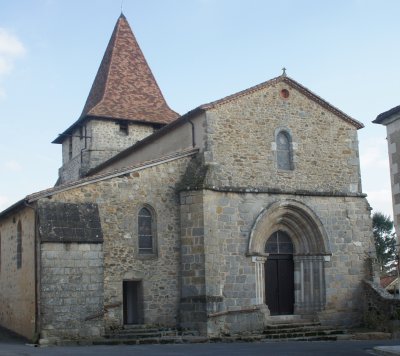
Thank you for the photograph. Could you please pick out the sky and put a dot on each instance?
(346, 51)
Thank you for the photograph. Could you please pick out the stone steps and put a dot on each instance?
(300, 330)
(142, 333)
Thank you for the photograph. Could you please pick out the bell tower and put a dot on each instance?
(124, 106)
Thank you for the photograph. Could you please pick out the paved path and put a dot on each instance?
(300, 348)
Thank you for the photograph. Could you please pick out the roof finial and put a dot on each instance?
(122, 6)
(284, 72)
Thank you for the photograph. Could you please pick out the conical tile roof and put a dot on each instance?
(124, 87)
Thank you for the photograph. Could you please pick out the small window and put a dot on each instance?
(279, 243)
(19, 245)
(283, 151)
(81, 132)
(146, 232)
(70, 147)
(124, 128)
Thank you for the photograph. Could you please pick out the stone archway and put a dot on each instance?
(310, 243)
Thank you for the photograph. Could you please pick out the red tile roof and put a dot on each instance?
(124, 87)
(387, 280)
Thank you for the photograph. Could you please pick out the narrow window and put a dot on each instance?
(146, 231)
(283, 151)
(124, 128)
(81, 132)
(70, 148)
(19, 245)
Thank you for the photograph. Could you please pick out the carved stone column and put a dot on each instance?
(259, 262)
(309, 282)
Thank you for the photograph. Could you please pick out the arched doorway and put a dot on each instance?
(279, 274)
(309, 245)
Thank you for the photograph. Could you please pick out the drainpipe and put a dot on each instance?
(193, 137)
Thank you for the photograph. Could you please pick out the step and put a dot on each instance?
(292, 325)
(302, 329)
(133, 336)
(305, 338)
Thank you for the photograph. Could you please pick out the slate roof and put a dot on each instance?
(124, 87)
(69, 222)
(381, 117)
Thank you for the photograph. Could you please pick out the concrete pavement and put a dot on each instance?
(387, 350)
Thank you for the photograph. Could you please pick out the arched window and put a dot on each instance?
(284, 151)
(146, 231)
(19, 245)
(279, 243)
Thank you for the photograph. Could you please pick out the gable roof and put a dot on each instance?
(124, 87)
(387, 114)
(96, 178)
(285, 79)
(202, 108)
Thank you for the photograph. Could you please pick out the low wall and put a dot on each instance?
(381, 309)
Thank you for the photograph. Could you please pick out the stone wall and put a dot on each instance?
(103, 140)
(17, 285)
(194, 298)
(119, 200)
(230, 272)
(241, 144)
(381, 309)
(71, 291)
(393, 138)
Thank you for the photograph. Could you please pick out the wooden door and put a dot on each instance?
(279, 284)
(132, 304)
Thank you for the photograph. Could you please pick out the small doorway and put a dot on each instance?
(279, 274)
(132, 301)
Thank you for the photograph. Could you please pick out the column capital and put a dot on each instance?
(258, 259)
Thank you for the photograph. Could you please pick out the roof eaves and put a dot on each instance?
(19, 204)
(69, 130)
(307, 92)
(294, 84)
(107, 175)
(387, 114)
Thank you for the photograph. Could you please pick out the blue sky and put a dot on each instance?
(346, 51)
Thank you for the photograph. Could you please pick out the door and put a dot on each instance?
(279, 284)
(132, 302)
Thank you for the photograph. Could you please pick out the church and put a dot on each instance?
(241, 211)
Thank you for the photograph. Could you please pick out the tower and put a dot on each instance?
(124, 106)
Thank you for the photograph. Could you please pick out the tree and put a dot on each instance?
(385, 241)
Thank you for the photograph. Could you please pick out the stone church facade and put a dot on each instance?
(219, 220)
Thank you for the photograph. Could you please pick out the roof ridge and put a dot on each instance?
(290, 81)
(110, 174)
(109, 67)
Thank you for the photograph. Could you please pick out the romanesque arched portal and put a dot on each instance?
(310, 245)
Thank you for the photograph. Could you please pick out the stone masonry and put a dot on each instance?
(241, 144)
(71, 290)
(95, 142)
(119, 201)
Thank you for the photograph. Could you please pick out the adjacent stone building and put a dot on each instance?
(391, 120)
(219, 220)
